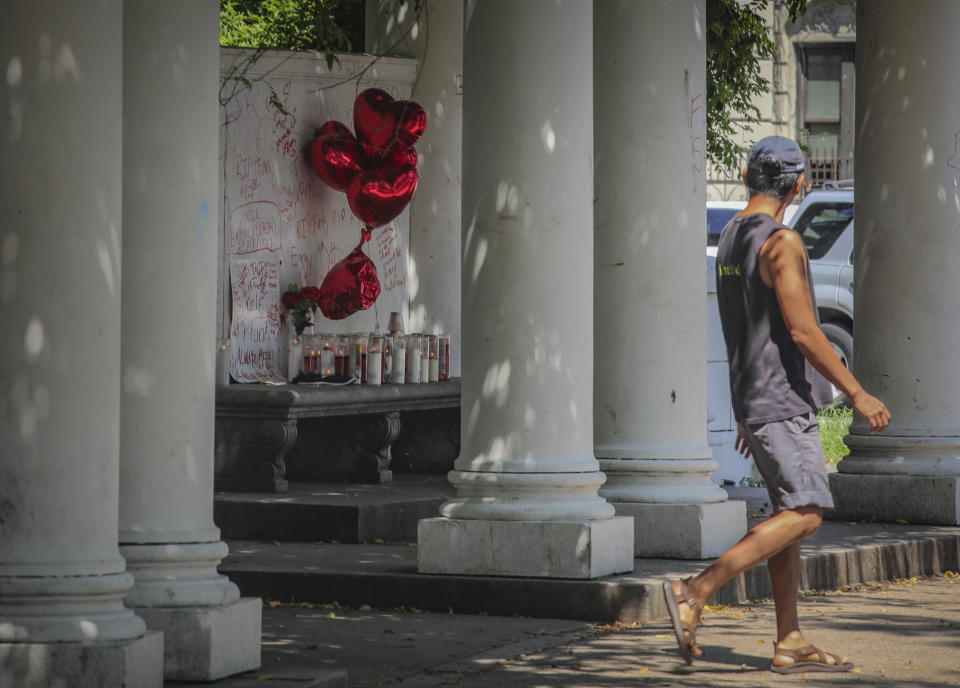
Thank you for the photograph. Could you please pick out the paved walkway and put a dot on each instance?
(900, 634)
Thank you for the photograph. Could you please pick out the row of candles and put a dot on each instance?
(373, 358)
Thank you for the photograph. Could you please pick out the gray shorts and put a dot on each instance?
(789, 456)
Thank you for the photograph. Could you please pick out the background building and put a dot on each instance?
(812, 87)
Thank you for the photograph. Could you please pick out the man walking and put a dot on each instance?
(773, 337)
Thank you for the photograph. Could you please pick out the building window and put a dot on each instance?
(825, 104)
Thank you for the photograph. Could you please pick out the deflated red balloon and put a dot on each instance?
(337, 160)
(351, 286)
(377, 196)
(380, 121)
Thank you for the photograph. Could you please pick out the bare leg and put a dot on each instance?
(765, 540)
(784, 569)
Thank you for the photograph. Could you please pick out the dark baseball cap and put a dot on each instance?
(776, 155)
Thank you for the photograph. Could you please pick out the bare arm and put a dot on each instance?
(783, 266)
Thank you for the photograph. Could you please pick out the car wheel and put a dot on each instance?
(841, 340)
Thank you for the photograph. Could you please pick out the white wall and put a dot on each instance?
(273, 204)
(435, 37)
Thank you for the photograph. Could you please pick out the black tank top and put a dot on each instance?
(769, 377)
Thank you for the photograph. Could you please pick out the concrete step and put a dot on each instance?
(385, 576)
(333, 512)
(303, 677)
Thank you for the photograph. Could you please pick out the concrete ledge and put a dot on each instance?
(207, 643)
(287, 678)
(549, 549)
(128, 664)
(893, 498)
(685, 531)
(385, 576)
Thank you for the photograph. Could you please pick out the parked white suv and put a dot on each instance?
(825, 221)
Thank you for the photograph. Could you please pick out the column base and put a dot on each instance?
(889, 498)
(134, 663)
(207, 643)
(542, 549)
(685, 531)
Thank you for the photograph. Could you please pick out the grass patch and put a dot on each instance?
(834, 422)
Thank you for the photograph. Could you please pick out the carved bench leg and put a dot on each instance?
(372, 463)
(252, 454)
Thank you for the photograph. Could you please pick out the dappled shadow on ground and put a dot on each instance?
(899, 635)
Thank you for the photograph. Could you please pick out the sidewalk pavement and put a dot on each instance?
(899, 634)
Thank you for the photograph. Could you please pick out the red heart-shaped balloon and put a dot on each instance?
(337, 160)
(400, 154)
(351, 285)
(334, 128)
(380, 121)
(379, 195)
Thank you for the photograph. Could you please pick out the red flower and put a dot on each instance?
(292, 298)
(311, 294)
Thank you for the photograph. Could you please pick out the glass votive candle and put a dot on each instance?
(387, 359)
(328, 354)
(413, 359)
(375, 360)
(433, 353)
(294, 357)
(424, 358)
(398, 364)
(222, 363)
(309, 354)
(444, 347)
(341, 358)
(358, 356)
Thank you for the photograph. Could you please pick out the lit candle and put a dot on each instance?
(375, 360)
(222, 365)
(327, 354)
(294, 353)
(358, 354)
(424, 359)
(444, 348)
(434, 350)
(387, 359)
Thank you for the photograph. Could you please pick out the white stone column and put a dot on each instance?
(62, 579)
(650, 299)
(526, 479)
(167, 534)
(436, 39)
(907, 247)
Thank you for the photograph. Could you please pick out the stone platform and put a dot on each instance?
(333, 512)
(386, 576)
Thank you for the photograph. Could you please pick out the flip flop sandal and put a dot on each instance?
(819, 664)
(679, 626)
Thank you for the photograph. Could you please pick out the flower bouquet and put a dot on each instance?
(301, 303)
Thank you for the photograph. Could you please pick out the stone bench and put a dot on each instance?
(267, 435)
